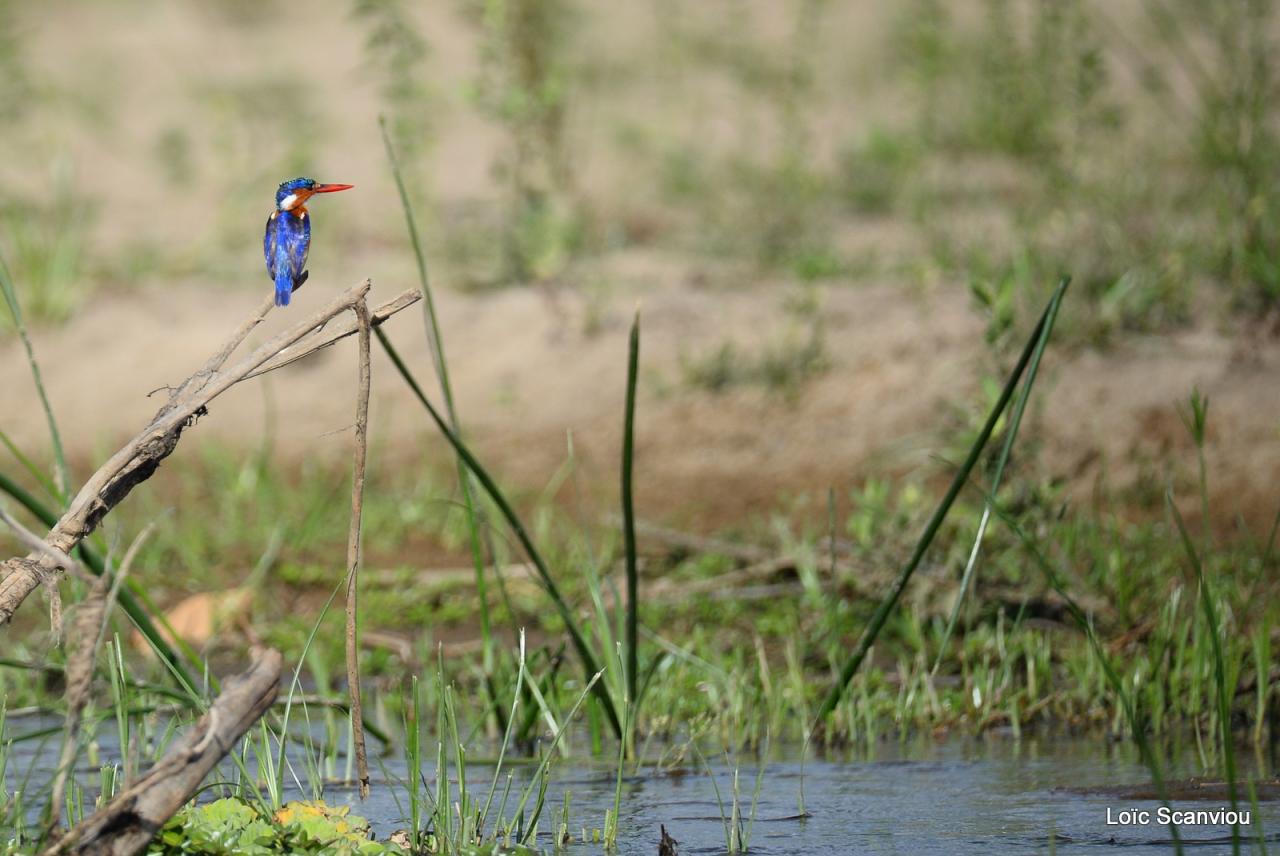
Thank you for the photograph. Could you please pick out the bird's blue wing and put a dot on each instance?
(270, 241)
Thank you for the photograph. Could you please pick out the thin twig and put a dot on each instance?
(220, 357)
(324, 338)
(34, 542)
(353, 547)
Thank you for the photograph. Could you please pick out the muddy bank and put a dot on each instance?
(532, 366)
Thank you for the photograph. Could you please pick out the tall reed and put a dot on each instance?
(1035, 346)
(465, 481)
(629, 520)
(61, 473)
(589, 661)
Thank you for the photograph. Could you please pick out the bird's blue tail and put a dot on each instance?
(284, 287)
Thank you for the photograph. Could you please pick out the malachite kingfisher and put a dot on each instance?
(288, 236)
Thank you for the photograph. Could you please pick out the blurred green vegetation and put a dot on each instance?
(1111, 165)
(782, 364)
(15, 86)
(396, 55)
(1003, 140)
(524, 85)
(44, 240)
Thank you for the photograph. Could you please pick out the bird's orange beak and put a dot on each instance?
(331, 188)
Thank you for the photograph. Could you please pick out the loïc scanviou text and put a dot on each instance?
(1221, 816)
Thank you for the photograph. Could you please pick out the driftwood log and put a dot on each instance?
(128, 823)
(140, 457)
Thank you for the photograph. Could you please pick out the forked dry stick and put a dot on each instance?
(140, 457)
(353, 547)
(340, 330)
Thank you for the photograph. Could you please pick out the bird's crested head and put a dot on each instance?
(295, 192)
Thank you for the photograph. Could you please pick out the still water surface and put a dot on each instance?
(962, 796)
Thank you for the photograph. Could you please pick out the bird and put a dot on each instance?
(288, 235)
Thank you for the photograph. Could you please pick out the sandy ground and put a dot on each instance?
(530, 364)
(905, 364)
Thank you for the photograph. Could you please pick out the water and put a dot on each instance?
(959, 796)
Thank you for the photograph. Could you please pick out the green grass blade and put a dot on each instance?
(886, 606)
(27, 464)
(432, 321)
(607, 636)
(428, 301)
(28, 501)
(539, 775)
(1224, 694)
(629, 519)
(59, 456)
(1020, 406)
(724, 819)
(294, 683)
(590, 664)
(506, 734)
(628, 727)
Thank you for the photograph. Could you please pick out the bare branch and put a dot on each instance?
(140, 457)
(349, 327)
